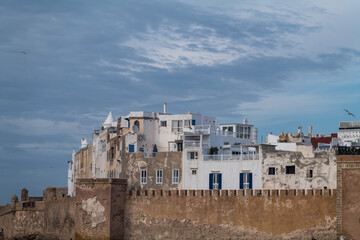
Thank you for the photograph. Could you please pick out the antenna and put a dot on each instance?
(135, 129)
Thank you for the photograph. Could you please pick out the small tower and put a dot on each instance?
(299, 129)
(24, 195)
(14, 200)
(109, 122)
(84, 143)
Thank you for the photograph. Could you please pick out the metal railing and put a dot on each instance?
(348, 151)
(192, 143)
(207, 129)
(226, 157)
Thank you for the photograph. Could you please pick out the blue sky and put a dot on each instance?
(277, 63)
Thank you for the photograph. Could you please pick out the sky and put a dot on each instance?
(65, 64)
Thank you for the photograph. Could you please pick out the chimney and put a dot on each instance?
(299, 129)
(310, 130)
(164, 107)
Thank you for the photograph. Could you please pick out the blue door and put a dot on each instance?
(246, 180)
(215, 181)
(131, 148)
(193, 122)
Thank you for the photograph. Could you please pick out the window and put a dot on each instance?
(136, 123)
(193, 122)
(186, 123)
(112, 153)
(175, 176)
(159, 176)
(163, 123)
(246, 180)
(215, 181)
(231, 129)
(103, 146)
(193, 171)
(192, 155)
(177, 126)
(290, 169)
(179, 146)
(143, 176)
(271, 171)
(309, 173)
(224, 129)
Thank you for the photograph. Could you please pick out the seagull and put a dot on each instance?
(349, 113)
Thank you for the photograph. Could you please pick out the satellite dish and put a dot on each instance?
(135, 129)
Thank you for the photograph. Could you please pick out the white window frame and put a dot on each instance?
(103, 146)
(143, 176)
(192, 155)
(187, 123)
(246, 180)
(159, 176)
(163, 125)
(175, 176)
(216, 177)
(177, 125)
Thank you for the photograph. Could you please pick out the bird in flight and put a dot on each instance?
(23, 52)
(349, 113)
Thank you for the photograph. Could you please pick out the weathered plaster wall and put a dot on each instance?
(83, 159)
(60, 218)
(99, 208)
(133, 162)
(323, 166)
(205, 214)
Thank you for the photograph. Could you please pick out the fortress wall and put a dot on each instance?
(238, 214)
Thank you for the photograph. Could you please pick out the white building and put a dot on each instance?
(290, 142)
(349, 133)
(71, 175)
(217, 159)
(213, 157)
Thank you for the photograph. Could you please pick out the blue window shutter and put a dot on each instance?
(220, 180)
(241, 181)
(250, 181)
(193, 122)
(131, 148)
(211, 181)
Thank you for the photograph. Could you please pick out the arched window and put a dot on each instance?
(136, 123)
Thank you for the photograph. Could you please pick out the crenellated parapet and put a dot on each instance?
(233, 193)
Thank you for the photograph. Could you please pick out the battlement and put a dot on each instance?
(234, 193)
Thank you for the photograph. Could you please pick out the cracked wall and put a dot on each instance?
(312, 170)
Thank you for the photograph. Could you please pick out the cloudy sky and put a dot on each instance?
(278, 63)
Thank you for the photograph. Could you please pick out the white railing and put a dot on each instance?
(192, 143)
(226, 157)
(202, 129)
(207, 129)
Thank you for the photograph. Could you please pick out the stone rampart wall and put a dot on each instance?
(25, 218)
(235, 214)
(60, 218)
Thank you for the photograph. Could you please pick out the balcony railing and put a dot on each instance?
(207, 129)
(192, 143)
(226, 157)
